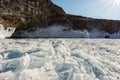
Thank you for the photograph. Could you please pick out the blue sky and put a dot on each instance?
(106, 9)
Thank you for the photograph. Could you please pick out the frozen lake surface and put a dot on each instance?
(60, 59)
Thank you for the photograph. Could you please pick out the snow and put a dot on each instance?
(60, 59)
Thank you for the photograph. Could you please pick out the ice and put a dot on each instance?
(58, 31)
(1, 32)
(5, 33)
(15, 64)
(60, 59)
(7, 76)
(37, 74)
(55, 31)
(85, 34)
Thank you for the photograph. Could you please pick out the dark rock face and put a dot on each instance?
(38, 13)
(25, 14)
(80, 22)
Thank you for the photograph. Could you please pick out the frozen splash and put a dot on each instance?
(54, 31)
(57, 31)
(5, 33)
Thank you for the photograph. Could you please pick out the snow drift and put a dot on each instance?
(59, 59)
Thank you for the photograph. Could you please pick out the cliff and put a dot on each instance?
(25, 14)
(29, 13)
(80, 22)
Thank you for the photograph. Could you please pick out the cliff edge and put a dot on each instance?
(26, 14)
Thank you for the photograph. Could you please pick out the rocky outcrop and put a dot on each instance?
(30, 13)
(80, 22)
(26, 14)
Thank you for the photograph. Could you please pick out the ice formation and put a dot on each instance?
(59, 59)
(54, 31)
(5, 33)
(57, 31)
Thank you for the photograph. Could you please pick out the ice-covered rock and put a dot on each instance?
(85, 34)
(6, 32)
(54, 31)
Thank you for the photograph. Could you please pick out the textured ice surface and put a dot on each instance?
(59, 59)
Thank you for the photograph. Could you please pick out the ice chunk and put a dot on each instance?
(26, 60)
(16, 65)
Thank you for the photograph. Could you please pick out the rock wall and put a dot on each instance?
(30, 13)
(24, 14)
(80, 22)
